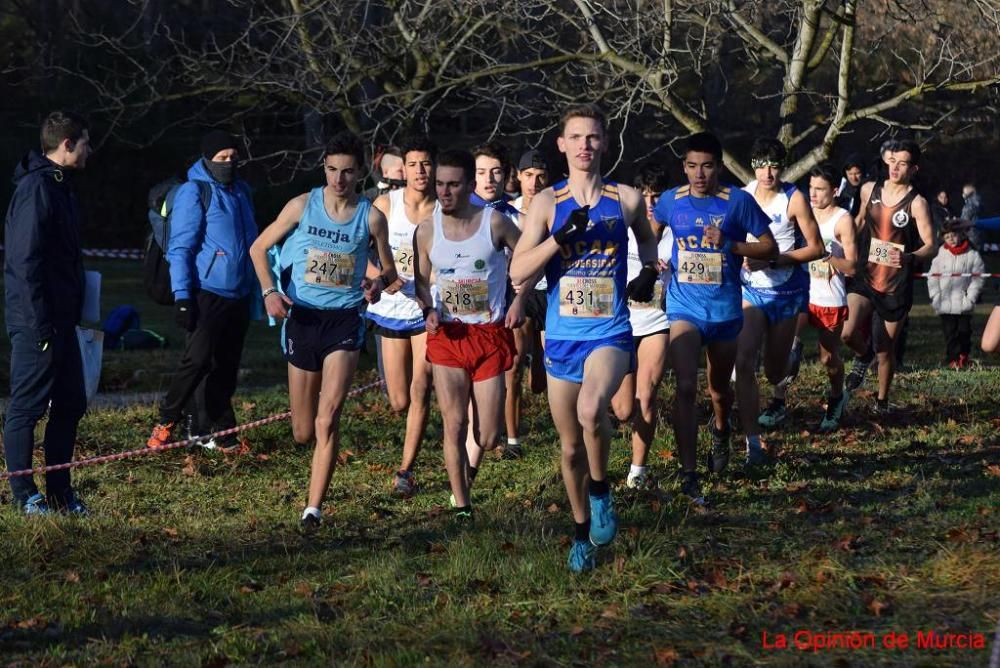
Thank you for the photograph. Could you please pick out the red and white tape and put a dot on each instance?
(104, 459)
(113, 253)
(972, 274)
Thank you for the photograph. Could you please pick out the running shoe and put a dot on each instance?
(835, 407)
(163, 434)
(859, 369)
(794, 362)
(691, 488)
(718, 459)
(755, 453)
(640, 481)
(310, 522)
(35, 505)
(963, 361)
(882, 407)
(581, 556)
(403, 484)
(773, 415)
(72, 505)
(511, 451)
(603, 520)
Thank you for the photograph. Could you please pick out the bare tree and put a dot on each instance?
(807, 71)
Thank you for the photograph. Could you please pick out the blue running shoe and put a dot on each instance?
(35, 505)
(603, 521)
(581, 556)
(72, 505)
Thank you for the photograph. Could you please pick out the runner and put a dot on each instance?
(469, 343)
(650, 335)
(577, 232)
(774, 291)
(533, 176)
(891, 237)
(398, 316)
(710, 223)
(492, 171)
(326, 234)
(827, 290)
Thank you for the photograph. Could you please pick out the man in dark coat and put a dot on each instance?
(44, 288)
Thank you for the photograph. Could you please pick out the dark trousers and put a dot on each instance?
(957, 334)
(36, 378)
(207, 373)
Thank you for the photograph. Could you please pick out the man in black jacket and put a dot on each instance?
(44, 287)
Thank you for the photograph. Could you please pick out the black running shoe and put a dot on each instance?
(718, 459)
(309, 523)
(882, 407)
(859, 369)
(691, 488)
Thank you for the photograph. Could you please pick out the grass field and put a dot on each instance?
(891, 526)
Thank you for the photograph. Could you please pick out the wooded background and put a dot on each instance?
(827, 77)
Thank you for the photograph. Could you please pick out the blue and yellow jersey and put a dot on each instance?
(705, 283)
(587, 277)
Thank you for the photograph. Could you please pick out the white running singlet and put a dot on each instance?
(785, 234)
(471, 275)
(826, 285)
(649, 317)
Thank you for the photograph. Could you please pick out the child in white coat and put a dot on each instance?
(954, 297)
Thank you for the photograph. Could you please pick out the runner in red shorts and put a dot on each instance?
(827, 292)
(469, 343)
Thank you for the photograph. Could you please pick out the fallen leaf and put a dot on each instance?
(424, 579)
(72, 576)
(612, 612)
(682, 552)
(665, 454)
(877, 606)
(717, 578)
(553, 508)
(796, 487)
(958, 535)
(802, 507)
(848, 543)
(565, 541)
(170, 532)
(262, 457)
(189, 466)
(304, 589)
(619, 564)
(666, 656)
(576, 631)
(993, 470)
(436, 548)
(508, 547)
(344, 456)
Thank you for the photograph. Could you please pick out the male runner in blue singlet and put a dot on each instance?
(710, 223)
(576, 231)
(326, 233)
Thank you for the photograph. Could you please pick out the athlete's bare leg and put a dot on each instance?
(623, 403)
(562, 402)
(991, 334)
(453, 387)
(720, 357)
(829, 357)
(885, 352)
(420, 399)
(640, 388)
(397, 360)
(685, 352)
(338, 369)
(602, 376)
(859, 313)
(514, 379)
(747, 391)
(536, 374)
(303, 397)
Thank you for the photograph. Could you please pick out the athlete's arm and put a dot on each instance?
(383, 204)
(634, 208)
(507, 233)
(378, 230)
(747, 215)
(844, 233)
(423, 237)
(275, 303)
(866, 194)
(765, 248)
(799, 209)
(925, 228)
(536, 246)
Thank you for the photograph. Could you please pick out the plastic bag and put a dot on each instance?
(92, 354)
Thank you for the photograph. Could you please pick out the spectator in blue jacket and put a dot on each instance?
(43, 290)
(212, 279)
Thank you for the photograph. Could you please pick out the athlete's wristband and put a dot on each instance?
(269, 291)
(726, 244)
(427, 310)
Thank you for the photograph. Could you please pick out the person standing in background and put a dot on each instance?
(43, 303)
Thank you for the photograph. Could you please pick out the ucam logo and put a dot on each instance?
(336, 236)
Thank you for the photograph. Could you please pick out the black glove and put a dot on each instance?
(640, 288)
(186, 314)
(575, 224)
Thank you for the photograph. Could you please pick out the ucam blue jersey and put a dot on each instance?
(705, 283)
(587, 277)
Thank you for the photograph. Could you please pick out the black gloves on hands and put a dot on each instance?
(576, 224)
(186, 314)
(640, 288)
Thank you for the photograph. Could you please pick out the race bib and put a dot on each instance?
(655, 303)
(465, 297)
(403, 257)
(699, 268)
(586, 297)
(329, 269)
(878, 252)
(820, 270)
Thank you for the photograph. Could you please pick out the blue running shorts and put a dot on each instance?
(564, 358)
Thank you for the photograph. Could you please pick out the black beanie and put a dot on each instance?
(215, 141)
